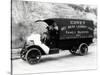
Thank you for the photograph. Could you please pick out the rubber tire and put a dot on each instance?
(29, 56)
(83, 49)
(22, 55)
(73, 50)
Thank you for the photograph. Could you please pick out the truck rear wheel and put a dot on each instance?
(33, 56)
(73, 50)
(83, 49)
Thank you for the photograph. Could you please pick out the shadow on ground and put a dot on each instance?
(48, 59)
(56, 58)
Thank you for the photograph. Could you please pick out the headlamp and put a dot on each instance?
(30, 42)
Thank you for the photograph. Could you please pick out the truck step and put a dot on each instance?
(54, 51)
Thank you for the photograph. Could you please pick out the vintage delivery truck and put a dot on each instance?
(74, 35)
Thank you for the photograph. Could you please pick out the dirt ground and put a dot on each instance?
(64, 61)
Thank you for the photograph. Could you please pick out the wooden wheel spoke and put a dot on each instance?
(83, 49)
(33, 56)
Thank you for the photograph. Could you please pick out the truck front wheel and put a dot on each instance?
(83, 49)
(33, 56)
(22, 55)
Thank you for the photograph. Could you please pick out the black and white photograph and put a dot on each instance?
(52, 37)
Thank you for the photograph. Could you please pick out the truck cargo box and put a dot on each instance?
(73, 28)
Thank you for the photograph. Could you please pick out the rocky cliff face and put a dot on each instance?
(24, 13)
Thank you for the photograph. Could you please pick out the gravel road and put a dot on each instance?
(64, 61)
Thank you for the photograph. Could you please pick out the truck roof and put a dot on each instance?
(64, 20)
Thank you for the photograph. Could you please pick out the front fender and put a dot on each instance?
(43, 51)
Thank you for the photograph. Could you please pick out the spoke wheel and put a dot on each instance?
(83, 49)
(33, 56)
(22, 55)
(73, 50)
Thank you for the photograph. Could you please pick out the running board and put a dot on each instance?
(54, 51)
